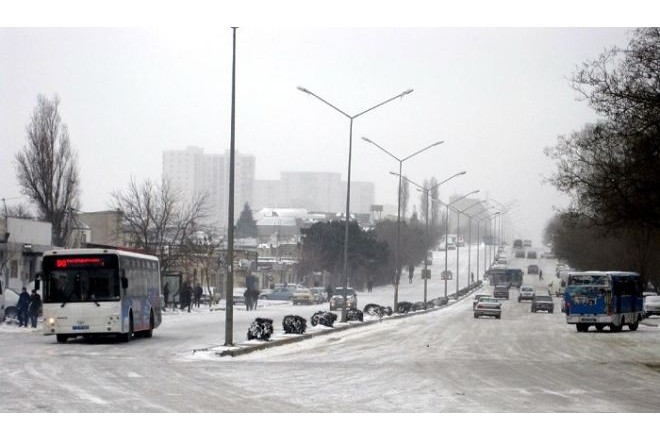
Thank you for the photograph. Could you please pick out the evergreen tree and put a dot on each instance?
(246, 226)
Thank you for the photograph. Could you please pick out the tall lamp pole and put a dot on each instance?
(446, 231)
(459, 212)
(427, 191)
(476, 215)
(398, 215)
(229, 287)
(348, 179)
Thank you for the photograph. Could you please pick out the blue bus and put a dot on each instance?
(90, 292)
(603, 298)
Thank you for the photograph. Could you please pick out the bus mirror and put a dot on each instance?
(124, 283)
(37, 282)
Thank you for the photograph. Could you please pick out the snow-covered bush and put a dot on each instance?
(354, 315)
(404, 307)
(294, 324)
(260, 329)
(324, 318)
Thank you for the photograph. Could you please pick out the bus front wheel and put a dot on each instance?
(582, 327)
(61, 338)
(125, 338)
(633, 326)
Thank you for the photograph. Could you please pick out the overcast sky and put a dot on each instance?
(496, 97)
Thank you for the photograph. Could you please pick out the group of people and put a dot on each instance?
(189, 296)
(28, 307)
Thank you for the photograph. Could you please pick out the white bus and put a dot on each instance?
(89, 292)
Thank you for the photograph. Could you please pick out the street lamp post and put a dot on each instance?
(398, 215)
(458, 213)
(348, 179)
(446, 232)
(476, 215)
(427, 191)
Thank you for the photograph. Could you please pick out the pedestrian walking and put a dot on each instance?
(540, 275)
(255, 298)
(166, 294)
(22, 307)
(198, 294)
(34, 307)
(411, 272)
(370, 285)
(247, 295)
(186, 296)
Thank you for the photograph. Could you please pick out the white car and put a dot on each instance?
(526, 293)
(651, 305)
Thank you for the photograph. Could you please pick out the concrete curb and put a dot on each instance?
(246, 348)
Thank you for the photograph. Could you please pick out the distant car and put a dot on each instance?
(489, 307)
(337, 302)
(527, 243)
(548, 255)
(543, 302)
(281, 293)
(651, 305)
(519, 254)
(526, 293)
(518, 243)
(531, 254)
(303, 296)
(501, 292)
(533, 269)
(451, 247)
(476, 299)
(446, 275)
(319, 294)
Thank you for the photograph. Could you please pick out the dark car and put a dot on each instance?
(446, 275)
(501, 292)
(543, 303)
(476, 299)
(533, 269)
(519, 253)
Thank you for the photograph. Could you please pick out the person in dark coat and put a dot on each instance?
(198, 294)
(166, 294)
(22, 307)
(247, 295)
(34, 307)
(411, 272)
(186, 296)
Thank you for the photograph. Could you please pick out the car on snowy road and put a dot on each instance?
(281, 293)
(446, 275)
(303, 296)
(532, 269)
(476, 299)
(501, 292)
(543, 302)
(651, 305)
(337, 301)
(489, 307)
(526, 293)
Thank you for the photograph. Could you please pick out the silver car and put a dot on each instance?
(489, 307)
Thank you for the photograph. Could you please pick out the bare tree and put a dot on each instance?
(158, 219)
(47, 168)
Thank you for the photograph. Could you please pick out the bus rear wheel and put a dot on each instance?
(633, 326)
(149, 332)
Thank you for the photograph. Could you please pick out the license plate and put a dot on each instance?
(80, 327)
(588, 320)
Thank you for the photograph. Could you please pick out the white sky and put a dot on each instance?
(496, 96)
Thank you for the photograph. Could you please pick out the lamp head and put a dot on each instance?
(302, 89)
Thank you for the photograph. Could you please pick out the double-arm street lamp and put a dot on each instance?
(446, 232)
(458, 214)
(427, 192)
(398, 214)
(348, 179)
(476, 216)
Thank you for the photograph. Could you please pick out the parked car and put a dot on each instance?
(651, 305)
(519, 253)
(281, 293)
(9, 305)
(446, 275)
(337, 302)
(489, 307)
(526, 293)
(501, 292)
(533, 269)
(543, 302)
(531, 254)
(303, 296)
(548, 255)
(527, 243)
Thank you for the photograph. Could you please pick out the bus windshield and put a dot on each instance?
(92, 279)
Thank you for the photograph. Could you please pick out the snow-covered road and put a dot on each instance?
(442, 361)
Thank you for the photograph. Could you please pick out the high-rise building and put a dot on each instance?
(193, 172)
